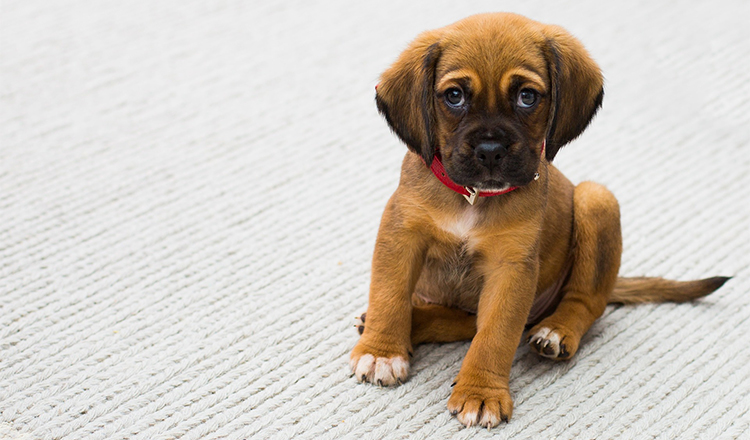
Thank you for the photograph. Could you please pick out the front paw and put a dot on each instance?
(383, 367)
(480, 402)
(359, 323)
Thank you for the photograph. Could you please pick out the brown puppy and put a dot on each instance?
(492, 98)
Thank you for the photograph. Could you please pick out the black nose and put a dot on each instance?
(490, 154)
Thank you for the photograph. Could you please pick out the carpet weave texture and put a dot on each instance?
(190, 193)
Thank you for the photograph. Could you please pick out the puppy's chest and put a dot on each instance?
(450, 274)
(457, 247)
(462, 228)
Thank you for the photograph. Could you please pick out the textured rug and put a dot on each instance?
(190, 192)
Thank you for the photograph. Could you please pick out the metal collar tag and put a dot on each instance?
(472, 197)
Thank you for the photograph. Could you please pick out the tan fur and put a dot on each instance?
(648, 289)
(444, 270)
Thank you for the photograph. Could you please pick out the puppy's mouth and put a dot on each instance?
(467, 177)
(480, 178)
(492, 185)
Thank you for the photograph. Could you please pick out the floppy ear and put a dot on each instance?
(405, 95)
(577, 88)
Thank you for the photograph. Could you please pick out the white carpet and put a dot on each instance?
(190, 192)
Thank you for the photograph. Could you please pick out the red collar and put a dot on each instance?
(469, 193)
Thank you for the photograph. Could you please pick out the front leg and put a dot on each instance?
(481, 395)
(381, 355)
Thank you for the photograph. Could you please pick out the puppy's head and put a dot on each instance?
(485, 92)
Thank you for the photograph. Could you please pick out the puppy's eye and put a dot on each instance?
(454, 97)
(527, 98)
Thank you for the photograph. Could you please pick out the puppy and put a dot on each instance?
(484, 237)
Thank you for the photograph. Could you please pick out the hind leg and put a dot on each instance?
(434, 323)
(598, 246)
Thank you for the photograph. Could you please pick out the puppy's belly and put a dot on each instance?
(449, 277)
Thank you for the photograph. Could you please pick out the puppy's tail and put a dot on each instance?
(647, 289)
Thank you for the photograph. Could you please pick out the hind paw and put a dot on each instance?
(553, 343)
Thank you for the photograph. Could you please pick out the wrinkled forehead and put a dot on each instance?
(492, 59)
